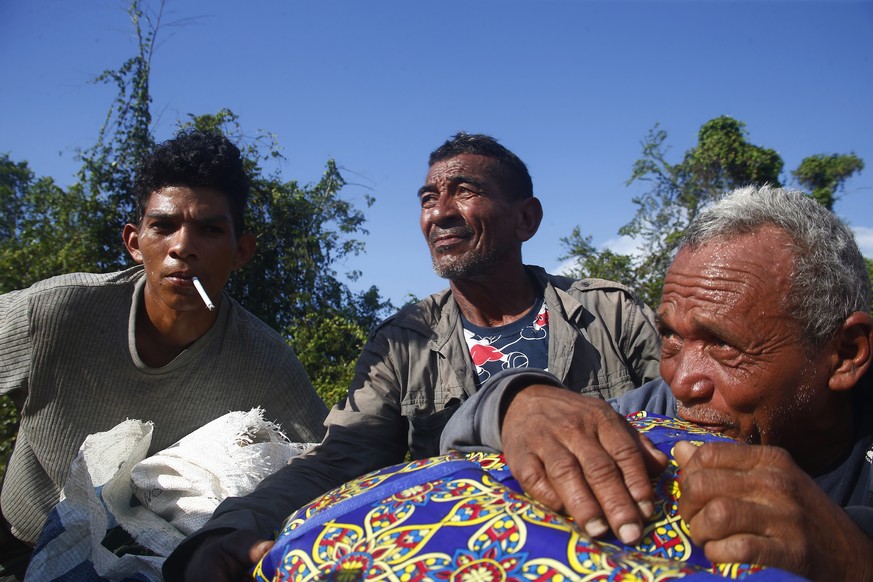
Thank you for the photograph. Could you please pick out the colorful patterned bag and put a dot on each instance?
(464, 517)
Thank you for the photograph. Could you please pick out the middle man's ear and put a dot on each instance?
(528, 217)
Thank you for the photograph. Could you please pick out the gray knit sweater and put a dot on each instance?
(68, 358)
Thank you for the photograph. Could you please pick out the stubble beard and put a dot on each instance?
(467, 266)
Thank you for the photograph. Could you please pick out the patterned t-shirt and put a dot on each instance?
(521, 344)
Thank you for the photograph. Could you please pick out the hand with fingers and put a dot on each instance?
(754, 504)
(226, 557)
(575, 454)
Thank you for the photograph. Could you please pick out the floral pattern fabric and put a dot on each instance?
(464, 518)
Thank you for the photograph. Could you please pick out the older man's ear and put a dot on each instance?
(853, 350)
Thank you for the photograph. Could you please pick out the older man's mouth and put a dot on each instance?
(706, 419)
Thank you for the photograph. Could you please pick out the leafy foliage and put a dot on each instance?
(33, 213)
(824, 175)
(302, 231)
(106, 176)
(331, 347)
(604, 264)
(722, 160)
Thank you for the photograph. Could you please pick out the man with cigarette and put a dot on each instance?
(767, 338)
(477, 208)
(161, 342)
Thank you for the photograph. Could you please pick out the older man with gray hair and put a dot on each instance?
(767, 338)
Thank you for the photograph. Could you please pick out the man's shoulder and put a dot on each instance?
(590, 291)
(574, 285)
(72, 285)
(419, 317)
(246, 322)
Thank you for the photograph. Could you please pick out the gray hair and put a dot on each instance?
(830, 279)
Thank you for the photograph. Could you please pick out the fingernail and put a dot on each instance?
(629, 533)
(596, 527)
(647, 508)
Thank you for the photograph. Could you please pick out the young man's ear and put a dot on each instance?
(854, 351)
(246, 245)
(530, 214)
(130, 234)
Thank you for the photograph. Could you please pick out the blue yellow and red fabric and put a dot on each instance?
(465, 518)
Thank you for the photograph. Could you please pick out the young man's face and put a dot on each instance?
(731, 352)
(186, 232)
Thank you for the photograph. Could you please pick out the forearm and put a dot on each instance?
(477, 424)
(345, 454)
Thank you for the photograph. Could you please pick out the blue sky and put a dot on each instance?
(572, 87)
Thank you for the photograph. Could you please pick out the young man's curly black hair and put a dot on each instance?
(195, 159)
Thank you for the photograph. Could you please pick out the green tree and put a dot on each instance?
(590, 262)
(332, 347)
(32, 213)
(303, 231)
(722, 159)
(824, 175)
(106, 175)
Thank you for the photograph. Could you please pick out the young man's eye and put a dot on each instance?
(161, 225)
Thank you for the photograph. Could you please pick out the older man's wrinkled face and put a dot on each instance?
(731, 352)
(467, 216)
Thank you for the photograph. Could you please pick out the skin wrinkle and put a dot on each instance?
(725, 325)
(474, 231)
(462, 198)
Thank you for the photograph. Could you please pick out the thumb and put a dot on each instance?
(655, 459)
(683, 451)
(259, 549)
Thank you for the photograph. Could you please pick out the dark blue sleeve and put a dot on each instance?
(654, 397)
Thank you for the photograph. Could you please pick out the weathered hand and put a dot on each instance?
(753, 504)
(226, 557)
(575, 454)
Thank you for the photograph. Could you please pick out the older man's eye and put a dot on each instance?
(671, 344)
(723, 350)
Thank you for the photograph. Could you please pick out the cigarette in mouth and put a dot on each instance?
(199, 286)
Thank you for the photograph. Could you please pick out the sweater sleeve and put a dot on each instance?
(15, 344)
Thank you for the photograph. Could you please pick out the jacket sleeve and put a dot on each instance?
(641, 341)
(476, 424)
(623, 330)
(365, 432)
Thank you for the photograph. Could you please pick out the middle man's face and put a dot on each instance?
(466, 216)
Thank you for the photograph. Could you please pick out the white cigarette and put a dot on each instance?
(199, 286)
